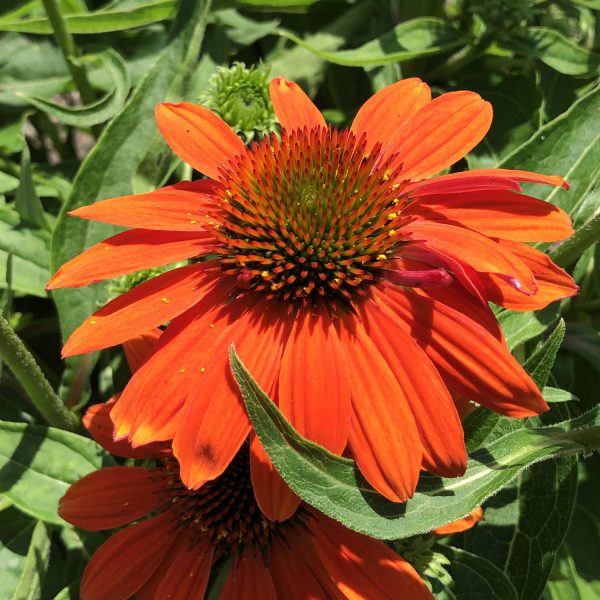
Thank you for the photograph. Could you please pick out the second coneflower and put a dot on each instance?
(354, 288)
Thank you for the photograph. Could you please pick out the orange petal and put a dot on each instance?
(147, 305)
(440, 134)
(184, 573)
(140, 348)
(516, 175)
(123, 564)
(275, 499)
(470, 360)
(127, 252)
(461, 524)
(185, 206)
(110, 497)
(455, 296)
(97, 420)
(473, 250)
(497, 213)
(430, 402)
(296, 569)
(214, 422)
(314, 388)
(248, 576)
(463, 182)
(198, 136)
(380, 117)
(364, 568)
(553, 283)
(382, 426)
(294, 109)
(149, 406)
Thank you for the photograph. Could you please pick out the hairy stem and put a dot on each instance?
(24, 367)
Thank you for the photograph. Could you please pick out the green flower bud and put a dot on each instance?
(240, 96)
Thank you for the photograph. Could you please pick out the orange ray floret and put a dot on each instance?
(354, 287)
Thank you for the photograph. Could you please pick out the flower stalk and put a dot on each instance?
(21, 362)
(67, 45)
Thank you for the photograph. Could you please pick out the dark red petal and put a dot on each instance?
(382, 426)
(127, 252)
(124, 563)
(248, 577)
(184, 573)
(297, 571)
(364, 568)
(198, 136)
(294, 109)
(430, 402)
(147, 305)
(110, 497)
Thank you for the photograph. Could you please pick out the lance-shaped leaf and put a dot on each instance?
(98, 111)
(423, 36)
(38, 464)
(334, 485)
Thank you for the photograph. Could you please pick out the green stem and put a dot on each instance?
(67, 45)
(572, 248)
(21, 362)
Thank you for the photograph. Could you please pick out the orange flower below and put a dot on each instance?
(171, 553)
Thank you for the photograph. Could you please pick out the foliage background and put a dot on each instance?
(76, 126)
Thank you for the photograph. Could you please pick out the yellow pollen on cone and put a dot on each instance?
(165, 300)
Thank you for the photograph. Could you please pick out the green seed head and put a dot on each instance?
(240, 96)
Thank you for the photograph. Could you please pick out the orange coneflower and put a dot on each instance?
(354, 288)
(171, 553)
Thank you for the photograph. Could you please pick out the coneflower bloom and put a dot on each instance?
(354, 287)
(171, 553)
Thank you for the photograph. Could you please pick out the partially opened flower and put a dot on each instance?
(354, 288)
(171, 553)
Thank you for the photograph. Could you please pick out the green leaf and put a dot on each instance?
(419, 37)
(27, 203)
(100, 21)
(516, 101)
(568, 146)
(101, 110)
(334, 485)
(30, 251)
(36, 564)
(584, 341)
(539, 364)
(572, 248)
(110, 169)
(554, 49)
(38, 464)
(473, 577)
(28, 66)
(519, 327)
(308, 68)
(16, 530)
(552, 395)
